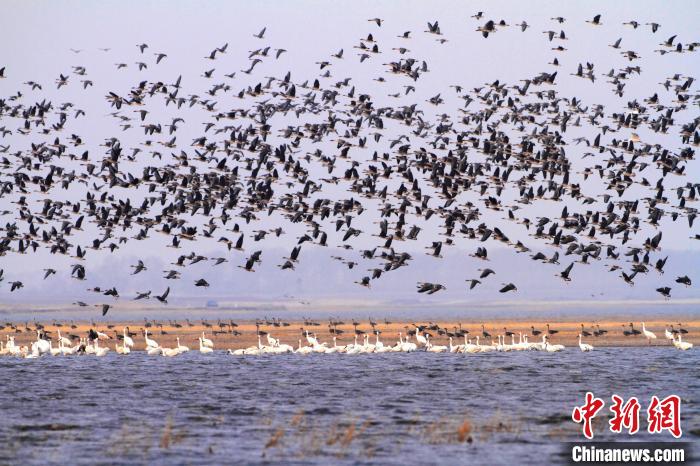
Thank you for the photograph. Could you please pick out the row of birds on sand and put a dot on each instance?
(324, 157)
(125, 342)
(91, 345)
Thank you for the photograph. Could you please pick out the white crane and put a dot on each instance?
(647, 334)
(421, 338)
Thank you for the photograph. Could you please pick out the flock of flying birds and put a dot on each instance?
(419, 174)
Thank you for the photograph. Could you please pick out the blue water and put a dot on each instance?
(391, 408)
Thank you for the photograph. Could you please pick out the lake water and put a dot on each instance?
(394, 408)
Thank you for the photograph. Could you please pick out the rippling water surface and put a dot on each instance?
(379, 408)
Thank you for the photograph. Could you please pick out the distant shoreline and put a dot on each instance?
(322, 309)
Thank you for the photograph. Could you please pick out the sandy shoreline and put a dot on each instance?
(243, 335)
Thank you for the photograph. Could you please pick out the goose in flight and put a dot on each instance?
(472, 283)
(508, 287)
(654, 26)
(523, 26)
(595, 21)
(430, 288)
(139, 267)
(16, 285)
(433, 28)
(565, 273)
(164, 297)
(684, 280)
(486, 29)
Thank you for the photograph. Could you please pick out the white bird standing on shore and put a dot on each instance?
(42, 346)
(150, 343)
(62, 339)
(421, 338)
(128, 341)
(207, 342)
(668, 334)
(649, 335)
